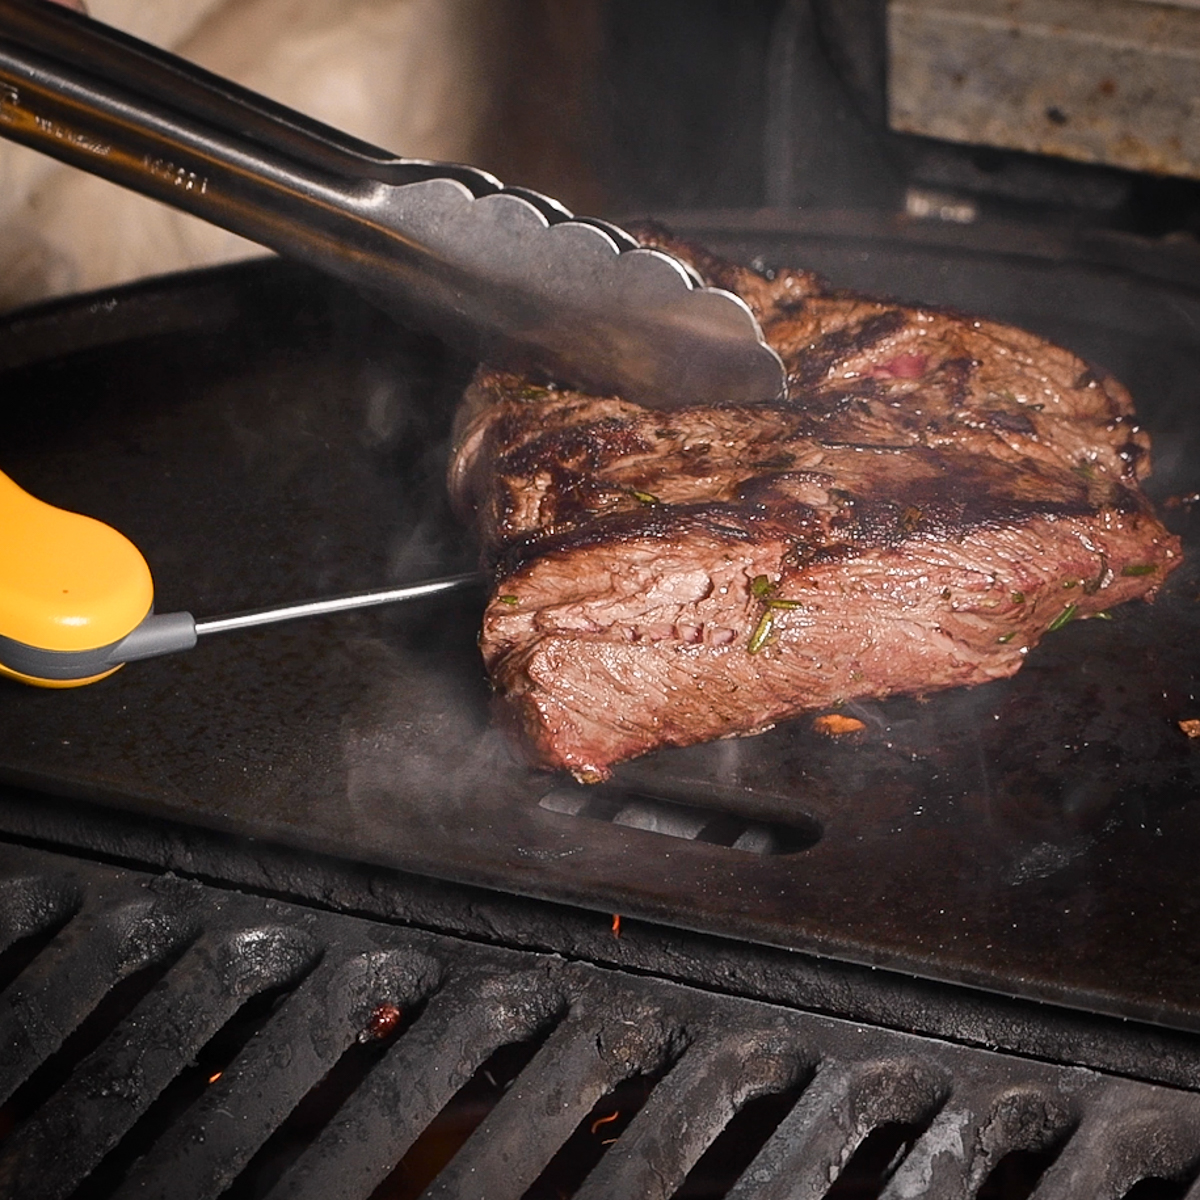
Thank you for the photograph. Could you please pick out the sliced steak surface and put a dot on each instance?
(934, 494)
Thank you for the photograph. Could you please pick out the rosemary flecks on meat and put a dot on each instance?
(1063, 617)
(762, 631)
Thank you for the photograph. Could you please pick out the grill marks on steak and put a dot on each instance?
(935, 493)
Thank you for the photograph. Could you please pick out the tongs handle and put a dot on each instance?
(175, 85)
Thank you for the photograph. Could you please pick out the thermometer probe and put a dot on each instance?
(77, 599)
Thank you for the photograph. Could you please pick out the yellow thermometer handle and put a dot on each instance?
(69, 584)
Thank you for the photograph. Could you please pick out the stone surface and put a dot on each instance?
(1099, 81)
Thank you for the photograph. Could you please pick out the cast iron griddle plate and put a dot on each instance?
(263, 437)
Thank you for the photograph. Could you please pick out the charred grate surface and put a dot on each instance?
(164, 1038)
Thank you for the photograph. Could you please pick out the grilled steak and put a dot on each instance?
(934, 495)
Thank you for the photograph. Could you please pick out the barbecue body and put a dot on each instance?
(935, 494)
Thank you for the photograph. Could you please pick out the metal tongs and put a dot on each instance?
(508, 274)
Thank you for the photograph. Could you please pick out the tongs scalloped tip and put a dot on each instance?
(631, 321)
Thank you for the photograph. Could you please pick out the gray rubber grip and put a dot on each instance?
(157, 634)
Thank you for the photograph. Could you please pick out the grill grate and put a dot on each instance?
(433, 1011)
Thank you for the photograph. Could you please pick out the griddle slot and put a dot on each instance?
(672, 818)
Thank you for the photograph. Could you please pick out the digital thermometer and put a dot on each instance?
(77, 598)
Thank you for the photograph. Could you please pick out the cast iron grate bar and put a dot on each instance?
(166, 1113)
(204, 1151)
(462, 1114)
(607, 1038)
(31, 913)
(463, 1023)
(114, 938)
(441, 1008)
(113, 1086)
(710, 1083)
(997, 1120)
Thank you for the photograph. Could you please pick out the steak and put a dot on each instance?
(935, 493)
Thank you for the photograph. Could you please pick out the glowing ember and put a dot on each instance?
(835, 725)
(605, 1120)
(383, 1022)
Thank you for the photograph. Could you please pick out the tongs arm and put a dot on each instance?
(509, 275)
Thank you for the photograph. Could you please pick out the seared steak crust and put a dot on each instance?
(935, 493)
